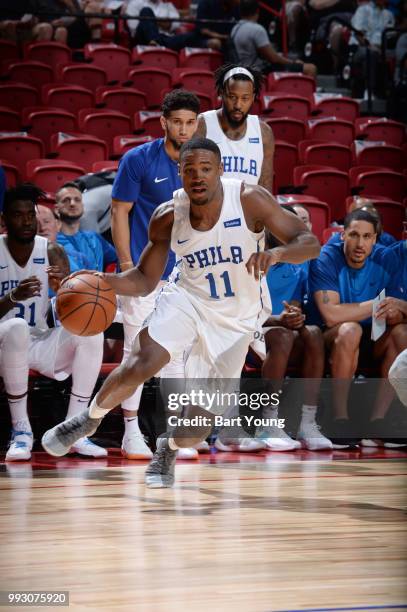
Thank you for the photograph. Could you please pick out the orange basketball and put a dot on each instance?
(86, 305)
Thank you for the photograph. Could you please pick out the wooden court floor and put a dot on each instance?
(252, 533)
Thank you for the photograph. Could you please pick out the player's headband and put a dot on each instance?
(239, 70)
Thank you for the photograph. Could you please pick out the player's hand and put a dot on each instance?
(94, 272)
(259, 263)
(28, 288)
(292, 317)
(55, 277)
(392, 310)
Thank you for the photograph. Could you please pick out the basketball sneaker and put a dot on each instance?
(58, 440)
(311, 438)
(380, 434)
(275, 439)
(134, 446)
(342, 435)
(239, 445)
(87, 448)
(203, 447)
(188, 453)
(20, 446)
(160, 470)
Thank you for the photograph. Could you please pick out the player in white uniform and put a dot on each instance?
(215, 226)
(29, 265)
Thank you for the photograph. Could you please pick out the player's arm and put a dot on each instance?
(143, 279)
(121, 232)
(201, 128)
(334, 313)
(58, 265)
(267, 169)
(27, 288)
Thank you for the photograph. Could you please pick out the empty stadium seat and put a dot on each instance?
(330, 231)
(319, 211)
(328, 154)
(374, 128)
(105, 166)
(158, 57)
(114, 59)
(35, 74)
(9, 120)
(44, 123)
(51, 53)
(69, 97)
(379, 182)
(285, 159)
(151, 81)
(106, 125)
(11, 171)
(331, 129)
(50, 174)
(285, 105)
(84, 75)
(194, 80)
(293, 83)
(326, 184)
(8, 50)
(19, 149)
(18, 95)
(124, 143)
(149, 122)
(392, 214)
(202, 59)
(82, 150)
(336, 106)
(126, 100)
(368, 152)
(287, 129)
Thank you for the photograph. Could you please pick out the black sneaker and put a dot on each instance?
(342, 438)
(160, 471)
(58, 440)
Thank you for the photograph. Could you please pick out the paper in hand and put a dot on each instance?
(378, 325)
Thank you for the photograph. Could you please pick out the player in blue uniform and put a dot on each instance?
(147, 176)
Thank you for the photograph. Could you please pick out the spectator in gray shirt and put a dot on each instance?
(254, 48)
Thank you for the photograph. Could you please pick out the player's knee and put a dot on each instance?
(94, 344)
(398, 334)
(313, 337)
(17, 337)
(280, 339)
(349, 335)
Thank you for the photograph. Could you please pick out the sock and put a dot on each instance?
(270, 413)
(19, 416)
(172, 444)
(95, 412)
(131, 425)
(77, 404)
(308, 413)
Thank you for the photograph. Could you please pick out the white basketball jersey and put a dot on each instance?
(242, 159)
(11, 274)
(211, 263)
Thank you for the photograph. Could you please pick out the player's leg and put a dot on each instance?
(14, 343)
(145, 360)
(398, 376)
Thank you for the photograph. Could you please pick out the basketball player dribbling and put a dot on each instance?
(216, 228)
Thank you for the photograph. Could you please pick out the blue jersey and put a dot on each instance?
(286, 282)
(85, 244)
(384, 239)
(330, 272)
(400, 251)
(148, 177)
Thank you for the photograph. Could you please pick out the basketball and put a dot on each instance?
(86, 305)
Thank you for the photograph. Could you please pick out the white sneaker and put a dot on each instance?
(20, 446)
(276, 439)
(187, 453)
(239, 445)
(311, 438)
(86, 447)
(134, 447)
(203, 447)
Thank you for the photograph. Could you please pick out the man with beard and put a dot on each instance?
(96, 251)
(29, 266)
(148, 176)
(246, 143)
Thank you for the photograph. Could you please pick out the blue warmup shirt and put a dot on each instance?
(384, 239)
(400, 251)
(86, 244)
(148, 177)
(330, 272)
(286, 282)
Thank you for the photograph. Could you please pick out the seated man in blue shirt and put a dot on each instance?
(383, 238)
(344, 281)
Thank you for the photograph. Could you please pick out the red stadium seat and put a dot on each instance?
(194, 80)
(328, 154)
(51, 53)
(51, 174)
(371, 153)
(124, 143)
(11, 172)
(392, 214)
(330, 231)
(285, 105)
(293, 83)
(44, 123)
(374, 128)
(106, 125)
(123, 99)
(285, 159)
(35, 74)
(8, 50)
(9, 120)
(202, 59)
(159, 57)
(83, 150)
(326, 184)
(331, 129)
(319, 211)
(336, 106)
(287, 129)
(112, 29)
(84, 75)
(379, 182)
(69, 97)
(19, 149)
(18, 95)
(104, 166)
(114, 59)
(151, 81)
(148, 122)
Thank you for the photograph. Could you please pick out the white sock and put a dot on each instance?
(308, 413)
(131, 425)
(95, 411)
(172, 444)
(77, 404)
(18, 411)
